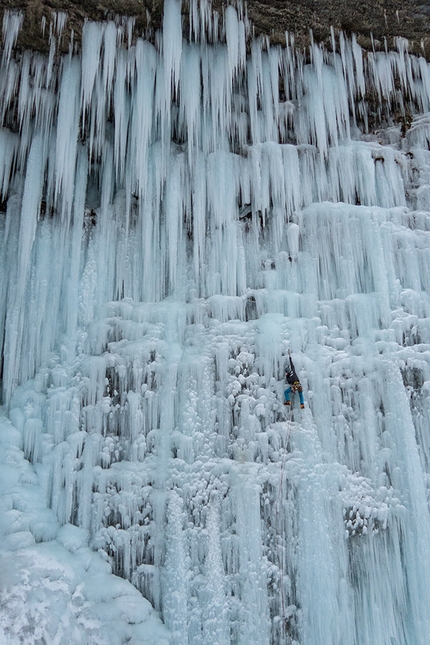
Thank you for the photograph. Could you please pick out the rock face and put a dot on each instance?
(382, 18)
(377, 23)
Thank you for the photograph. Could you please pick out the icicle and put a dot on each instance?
(92, 35)
(172, 45)
(60, 20)
(12, 24)
(67, 135)
(30, 210)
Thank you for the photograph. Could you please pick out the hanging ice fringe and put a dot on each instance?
(176, 215)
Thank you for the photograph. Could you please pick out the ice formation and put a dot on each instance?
(176, 214)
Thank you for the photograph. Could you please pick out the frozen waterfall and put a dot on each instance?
(178, 209)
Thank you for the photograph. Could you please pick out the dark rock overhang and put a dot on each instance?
(376, 23)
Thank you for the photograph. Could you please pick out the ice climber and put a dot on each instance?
(294, 384)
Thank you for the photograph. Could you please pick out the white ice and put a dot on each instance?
(175, 215)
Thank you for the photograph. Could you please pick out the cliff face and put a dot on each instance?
(174, 219)
(384, 20)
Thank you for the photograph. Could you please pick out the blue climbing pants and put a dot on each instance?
(288, 392)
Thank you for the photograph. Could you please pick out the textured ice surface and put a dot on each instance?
(175, 216)
(53, 587)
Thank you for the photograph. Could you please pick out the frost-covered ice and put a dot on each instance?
(54, 588)
(175, 216)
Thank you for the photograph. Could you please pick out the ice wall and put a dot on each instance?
(176, 214)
